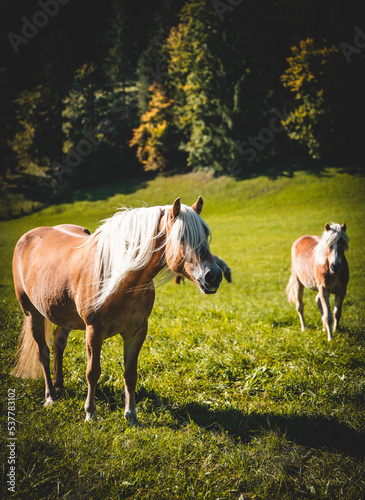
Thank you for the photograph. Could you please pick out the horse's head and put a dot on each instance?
(187, 249)
(337, 244)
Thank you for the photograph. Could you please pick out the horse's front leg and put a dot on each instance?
(338, 309)
(94, 341)
(323, 302)
(132, 347)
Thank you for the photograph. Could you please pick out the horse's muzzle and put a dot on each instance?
(335, 268)
(210, 279)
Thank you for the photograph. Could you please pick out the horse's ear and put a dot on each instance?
(176, 207)
(343, 227)
(198, 205)
(327, 227)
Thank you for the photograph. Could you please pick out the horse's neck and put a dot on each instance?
(144, 277)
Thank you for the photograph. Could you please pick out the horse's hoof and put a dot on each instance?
(133, 420)
(134, 423)
(49, 402)
(90, 417)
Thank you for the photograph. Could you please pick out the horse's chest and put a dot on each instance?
(331, 283)
(127, 325)
(127, 315)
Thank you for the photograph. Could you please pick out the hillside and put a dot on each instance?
(236, 402)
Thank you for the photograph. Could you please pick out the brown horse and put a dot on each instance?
(104, 283)
(319, 263)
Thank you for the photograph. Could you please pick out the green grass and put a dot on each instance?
(235, 402)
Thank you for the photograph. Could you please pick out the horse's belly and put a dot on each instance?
(305, 272)
(309, 282)
(302, 261)
(56, 305)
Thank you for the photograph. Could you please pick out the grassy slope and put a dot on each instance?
(235, 400)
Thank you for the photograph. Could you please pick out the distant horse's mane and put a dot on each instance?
(329, 238)
(126, 242)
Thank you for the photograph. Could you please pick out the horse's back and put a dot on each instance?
(45, 263)
(305, 245)
(73, 230)
(303, 260)
(47, 240)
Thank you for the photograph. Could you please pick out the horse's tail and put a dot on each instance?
(290, 289)
(27, 360)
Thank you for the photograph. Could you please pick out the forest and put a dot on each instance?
(93, 92)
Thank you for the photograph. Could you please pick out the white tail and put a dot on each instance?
(290, 289)
(27, 359)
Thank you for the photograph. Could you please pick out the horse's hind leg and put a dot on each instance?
(38, 326)
(298, 290)
(294, 292)
(300, 304)
(60, 337)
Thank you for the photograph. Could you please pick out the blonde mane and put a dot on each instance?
(329, 238)
(126, 242)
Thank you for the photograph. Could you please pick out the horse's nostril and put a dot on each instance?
(212, 278)
(335, 267)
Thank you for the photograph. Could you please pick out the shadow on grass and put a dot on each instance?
(105, 191)
(43, 189)
(274, 168)
(307, 431)
(40, 192)
(311, 432)
(315, 432)
(34, 187)
(284, 167)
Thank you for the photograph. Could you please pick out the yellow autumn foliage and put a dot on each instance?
(149, 136)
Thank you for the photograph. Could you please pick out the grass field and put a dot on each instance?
(235, 402)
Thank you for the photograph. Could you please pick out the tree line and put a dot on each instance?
(91, 92)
